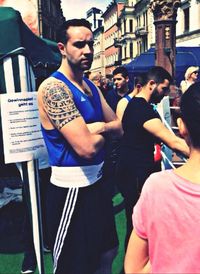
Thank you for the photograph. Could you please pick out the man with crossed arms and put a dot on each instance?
(75, 120)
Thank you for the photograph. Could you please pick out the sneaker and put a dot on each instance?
(29, 263)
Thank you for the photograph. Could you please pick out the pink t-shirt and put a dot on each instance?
(168, 215)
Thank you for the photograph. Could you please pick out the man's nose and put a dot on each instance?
(88, 49)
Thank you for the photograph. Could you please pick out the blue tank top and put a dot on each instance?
(128, 98)
(60, 151)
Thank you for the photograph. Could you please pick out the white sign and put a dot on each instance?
(164, 111)
(22, 137)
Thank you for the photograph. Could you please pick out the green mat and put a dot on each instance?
(11, 263)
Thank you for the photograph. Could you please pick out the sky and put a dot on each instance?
(28, 10)
(78, 8)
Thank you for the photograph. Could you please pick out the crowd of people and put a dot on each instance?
(101, 138)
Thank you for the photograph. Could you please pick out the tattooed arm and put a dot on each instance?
(57, 110)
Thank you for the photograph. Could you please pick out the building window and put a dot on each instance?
(144, 45)
(131, 25)
(100, 21)
(138, 48)
(138, 21)
(125, 52)
(120, 53)
(131, 50)
(186, 19)
(124, 26)
(145, 19)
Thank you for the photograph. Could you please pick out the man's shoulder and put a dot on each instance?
(138, 102)
(50, 81)
(51, 84)
(141, 100)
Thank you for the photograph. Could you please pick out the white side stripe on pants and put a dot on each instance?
(64, 223)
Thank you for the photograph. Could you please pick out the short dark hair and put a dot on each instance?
(62, 35)
(190, 112)
(158, 74)
(122, 70)
(140, 79)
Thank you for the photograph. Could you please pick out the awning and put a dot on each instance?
(14, 34)
(185, 57)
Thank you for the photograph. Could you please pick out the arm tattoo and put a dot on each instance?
(59, 104)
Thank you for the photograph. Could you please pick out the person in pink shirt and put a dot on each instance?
(166, 218)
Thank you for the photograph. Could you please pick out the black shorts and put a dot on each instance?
(87, 229)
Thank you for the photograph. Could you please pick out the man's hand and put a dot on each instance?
(97, 127)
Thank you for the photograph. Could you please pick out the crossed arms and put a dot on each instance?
(57, 110)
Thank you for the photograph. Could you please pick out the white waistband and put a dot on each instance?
(76, 176)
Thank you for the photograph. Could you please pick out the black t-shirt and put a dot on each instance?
(137, 144)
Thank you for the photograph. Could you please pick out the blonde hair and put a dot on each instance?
(189, 71)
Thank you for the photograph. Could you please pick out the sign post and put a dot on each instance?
(23, 143)
(22, 136)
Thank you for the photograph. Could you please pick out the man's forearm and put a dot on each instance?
(96, 127)
(180, 145)
(99, 141)
(88, 151)
(114, 128)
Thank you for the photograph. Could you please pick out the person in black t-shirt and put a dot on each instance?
(142, 128)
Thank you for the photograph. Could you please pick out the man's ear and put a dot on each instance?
(182, 128)
(61, 48)
(152, 85)
(138, 87)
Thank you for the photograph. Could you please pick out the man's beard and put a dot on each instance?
(122, 90)
(87, 65)
(156, 97)
(81, 66)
